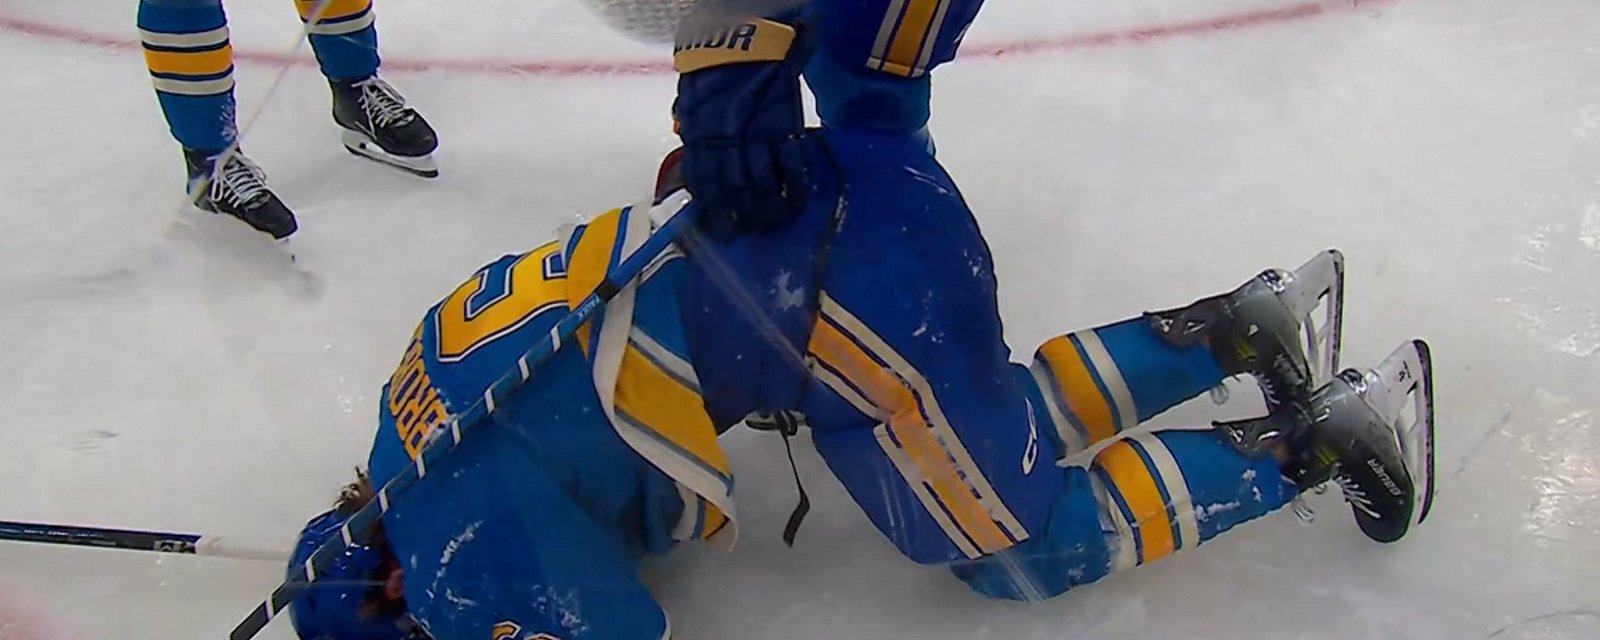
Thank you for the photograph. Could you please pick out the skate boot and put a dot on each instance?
(1265, 329)
(378, 125)
(230, 183)
(1372, 433)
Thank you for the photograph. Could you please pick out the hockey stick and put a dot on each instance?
(134, 540)
(355, 529)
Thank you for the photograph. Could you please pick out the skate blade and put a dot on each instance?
(360, 145)
(1319, 283)
(284, 245)
(1400, 392)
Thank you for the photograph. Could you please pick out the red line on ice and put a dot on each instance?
(21, 619)
(1230, 22)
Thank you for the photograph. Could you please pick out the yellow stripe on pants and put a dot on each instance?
(190, 63)
(1076, 385)
(1137, 484)
(336, 8)
(916, 438)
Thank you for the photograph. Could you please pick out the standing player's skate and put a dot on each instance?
(1257, 329)
(1372, 432)
(378, 125)
(230, 183)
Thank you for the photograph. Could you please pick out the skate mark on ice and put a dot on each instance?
(1562, 622)
(1478, 444)
(92, 441)
(663, 65)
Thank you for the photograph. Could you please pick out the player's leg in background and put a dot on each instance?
(345, 37)
(190, 59)
(377, 122)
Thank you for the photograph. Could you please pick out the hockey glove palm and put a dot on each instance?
(740, 117)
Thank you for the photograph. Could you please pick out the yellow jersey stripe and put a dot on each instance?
(659, 415)
(657, 400)
(1136, 483)
(931, 39)
(190, 63)
(1077, 387)
(586, 267)
(914, 31)
(715, 521)
(880, 47)
(671, 362)
(931, 461)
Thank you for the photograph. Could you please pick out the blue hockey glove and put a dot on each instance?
(740, 117)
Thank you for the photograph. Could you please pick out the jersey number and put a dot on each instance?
(499, 300)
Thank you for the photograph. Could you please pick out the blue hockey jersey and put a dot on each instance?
(537, 521)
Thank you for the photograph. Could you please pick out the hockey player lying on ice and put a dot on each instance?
(872, 314)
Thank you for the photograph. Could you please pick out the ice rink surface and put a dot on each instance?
(167, 370)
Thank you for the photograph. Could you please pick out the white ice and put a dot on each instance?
(168, 371)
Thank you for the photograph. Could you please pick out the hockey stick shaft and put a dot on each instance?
(449, 435)
(134, 540)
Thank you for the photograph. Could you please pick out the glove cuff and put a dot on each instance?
(758, 40)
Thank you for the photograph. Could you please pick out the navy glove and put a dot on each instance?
(740, 117)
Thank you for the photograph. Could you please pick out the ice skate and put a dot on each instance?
(1266, 328)
(380, 126)
(1372, 433)
(230, 183)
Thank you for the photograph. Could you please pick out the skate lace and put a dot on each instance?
(1356, 496)
(239, 182)
(1269, 391)
(1302, 506)
(382, 103)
